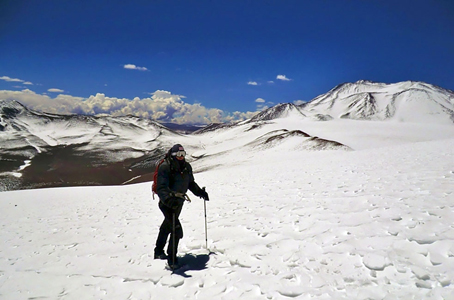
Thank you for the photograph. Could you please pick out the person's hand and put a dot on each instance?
(175, 200)
(204, 195)
(179, 195)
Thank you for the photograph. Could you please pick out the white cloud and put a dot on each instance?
(134, 67)
(9, 79)
(252, 83)
(55, 90)
(239, 116)
(62, 104)
(271, 82)
(262, 104)
(160, 106)
(283, 78)
(299, 102)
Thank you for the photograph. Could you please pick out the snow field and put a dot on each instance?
(369, 224)
(350, 226)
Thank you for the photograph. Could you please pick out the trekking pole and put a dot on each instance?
(174, 253)
(206, 232)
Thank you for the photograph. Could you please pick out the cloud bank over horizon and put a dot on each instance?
(162, 106)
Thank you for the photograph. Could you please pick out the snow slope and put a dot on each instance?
(375, 223)
(302, 209)
(22, 127)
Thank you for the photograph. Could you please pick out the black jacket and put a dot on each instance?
(173, 179)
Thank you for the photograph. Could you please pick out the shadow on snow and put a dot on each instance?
(191, 262)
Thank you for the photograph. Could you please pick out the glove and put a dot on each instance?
(204, 195)
(175, 200)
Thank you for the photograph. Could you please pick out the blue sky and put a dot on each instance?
(203, 61)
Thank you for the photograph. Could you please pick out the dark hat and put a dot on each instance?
(176, 148)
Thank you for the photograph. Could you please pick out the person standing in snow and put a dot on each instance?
(173, 181)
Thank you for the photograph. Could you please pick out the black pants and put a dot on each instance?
(167, 229)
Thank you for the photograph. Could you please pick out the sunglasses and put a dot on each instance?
(181, 153)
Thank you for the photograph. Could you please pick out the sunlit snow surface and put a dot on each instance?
(283, 223)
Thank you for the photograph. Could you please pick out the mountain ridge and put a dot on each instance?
(281, 110)
(39, 149)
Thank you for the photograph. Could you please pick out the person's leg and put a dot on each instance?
(175, 236)
(164, 231)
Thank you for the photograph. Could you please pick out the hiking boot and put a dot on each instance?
(160, 256)
(173, 263)
(173, 267)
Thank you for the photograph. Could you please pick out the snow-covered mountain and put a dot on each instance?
(31, 128)
(282, 110)
(76, 149)
(364, 100)
(41, 149)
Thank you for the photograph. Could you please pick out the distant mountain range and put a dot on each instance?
(365, 100)
(39, 149)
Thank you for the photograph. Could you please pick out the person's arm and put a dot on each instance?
(194, 187)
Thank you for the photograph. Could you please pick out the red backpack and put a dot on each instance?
(154, 185)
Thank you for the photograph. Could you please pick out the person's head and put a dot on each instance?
(177, 152)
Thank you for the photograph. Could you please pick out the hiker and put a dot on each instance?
(174, 178)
